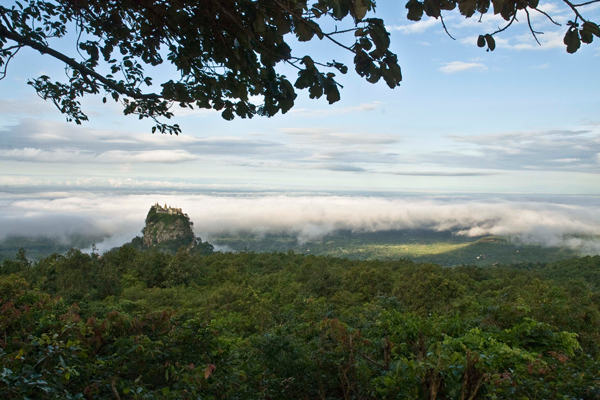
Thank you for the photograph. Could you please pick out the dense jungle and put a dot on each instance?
(198, 324)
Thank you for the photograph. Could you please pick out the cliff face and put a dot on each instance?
(164, 229)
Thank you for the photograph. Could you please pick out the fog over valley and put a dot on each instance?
(113, 219)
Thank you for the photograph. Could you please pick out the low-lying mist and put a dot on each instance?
(573, 222)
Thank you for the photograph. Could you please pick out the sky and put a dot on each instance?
(521, 120)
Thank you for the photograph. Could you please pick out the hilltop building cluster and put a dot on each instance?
(167, 210)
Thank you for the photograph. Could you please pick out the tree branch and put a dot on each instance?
(549, 17)
(10, 57)
(531, 28)
(476, 388)
(338, 43)
(17, 46)
(346, 31)
(574, 8)
(444, 25)
(327, 35)
(113, 386)
(75, 65)
(2, 9)
(370, 360)
(514, 18)
(315, 62)
(587, 3)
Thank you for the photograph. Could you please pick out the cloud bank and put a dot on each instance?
(568, 221)
(33, 150)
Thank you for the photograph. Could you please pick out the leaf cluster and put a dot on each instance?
(226, 53)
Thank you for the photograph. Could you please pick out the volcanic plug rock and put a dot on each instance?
(167, 226)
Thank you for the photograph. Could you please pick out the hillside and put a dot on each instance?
(159, 326)
(167, 231)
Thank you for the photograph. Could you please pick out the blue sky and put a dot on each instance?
(521, 119)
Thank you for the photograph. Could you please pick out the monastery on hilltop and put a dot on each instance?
(167, 210)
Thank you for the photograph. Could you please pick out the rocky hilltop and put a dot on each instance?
(167, 227)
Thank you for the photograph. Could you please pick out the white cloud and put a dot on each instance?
(548, 40)
(79, 156)
(415, 27)
(32, 105)
(566, 160)
(39, 155)
(459, 66)
(337, 110)
(47, 141)
(542, 66)
(566, 149)
(550, 222)
(42, 142)
(154, 156)
(327, 136)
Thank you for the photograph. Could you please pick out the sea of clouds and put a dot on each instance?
(572, 221)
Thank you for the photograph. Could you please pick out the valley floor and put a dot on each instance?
(444, 248)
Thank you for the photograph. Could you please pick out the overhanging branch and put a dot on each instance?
(76, 65)
(575, 10)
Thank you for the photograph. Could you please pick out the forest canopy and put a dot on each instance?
(229, 54)
(136, 324)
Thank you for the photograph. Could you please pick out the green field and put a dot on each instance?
(442, 248)
(408, 249)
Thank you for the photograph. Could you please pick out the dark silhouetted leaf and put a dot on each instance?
(467, 7)
(490, 42)
(586, 36)
(572, 40)
(592, 28)
(415, 10)
(360, 9)
(481, 41)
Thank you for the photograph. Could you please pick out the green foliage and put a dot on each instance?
(585, 268)
(150, 267)
(228, 52)
(41, 246)
(283, 325)
(180, 269)
(20, 263)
